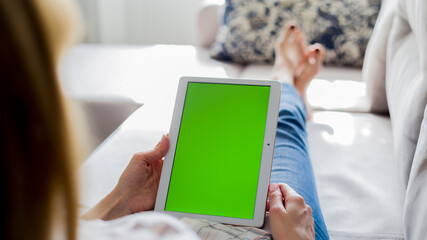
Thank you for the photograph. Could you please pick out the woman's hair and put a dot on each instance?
(37, 176)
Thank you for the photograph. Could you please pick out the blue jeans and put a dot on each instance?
(291, 161)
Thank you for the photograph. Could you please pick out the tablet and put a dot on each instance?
(221, 149)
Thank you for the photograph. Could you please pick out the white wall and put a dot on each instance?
(141, 21)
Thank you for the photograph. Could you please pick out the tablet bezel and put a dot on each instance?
(266, 159)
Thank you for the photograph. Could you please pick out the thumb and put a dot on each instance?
(158, 152)
(275, 196)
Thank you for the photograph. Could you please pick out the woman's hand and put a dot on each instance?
(290, 217)
(140, 180)
(137, 187)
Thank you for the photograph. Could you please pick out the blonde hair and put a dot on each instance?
(36, 147)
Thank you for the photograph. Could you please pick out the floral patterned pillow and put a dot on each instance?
(251, 27)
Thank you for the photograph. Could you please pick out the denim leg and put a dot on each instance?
(291, 161)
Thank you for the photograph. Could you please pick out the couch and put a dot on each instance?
(367, 136)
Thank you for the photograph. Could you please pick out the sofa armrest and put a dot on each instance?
(208, 21)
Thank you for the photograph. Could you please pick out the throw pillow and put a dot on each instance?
(251, 27)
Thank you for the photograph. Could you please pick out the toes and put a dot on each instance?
(300, 43)
(289, 32)
(315, 53)
(309, 67)
(319, 50)
(292, 35)
(311, 56)
(303, 42)
(285, 40)
(290, 48)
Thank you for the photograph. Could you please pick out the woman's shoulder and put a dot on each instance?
(144, 225)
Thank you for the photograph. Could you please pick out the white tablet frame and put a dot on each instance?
(266, 159)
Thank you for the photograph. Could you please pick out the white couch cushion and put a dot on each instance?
(333, 88)
(356, 178)
(415, 205)
(406, 81)
(374, 65)
(137, 72)
(263, 71)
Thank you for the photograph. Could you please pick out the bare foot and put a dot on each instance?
(307, 70)
(290, 53)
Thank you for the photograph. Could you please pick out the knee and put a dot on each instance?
(291, 115)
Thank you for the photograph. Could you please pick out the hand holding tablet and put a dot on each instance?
(221, 148)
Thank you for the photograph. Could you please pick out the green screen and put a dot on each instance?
(219, 148)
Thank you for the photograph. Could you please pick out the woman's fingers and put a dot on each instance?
(292, 198)
(158, 152)
(276, 198)
(287, 190)
(290, 217)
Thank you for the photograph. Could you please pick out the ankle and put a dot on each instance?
(301, 88)
(302, 94)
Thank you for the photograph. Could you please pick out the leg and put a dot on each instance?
(291, 162)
